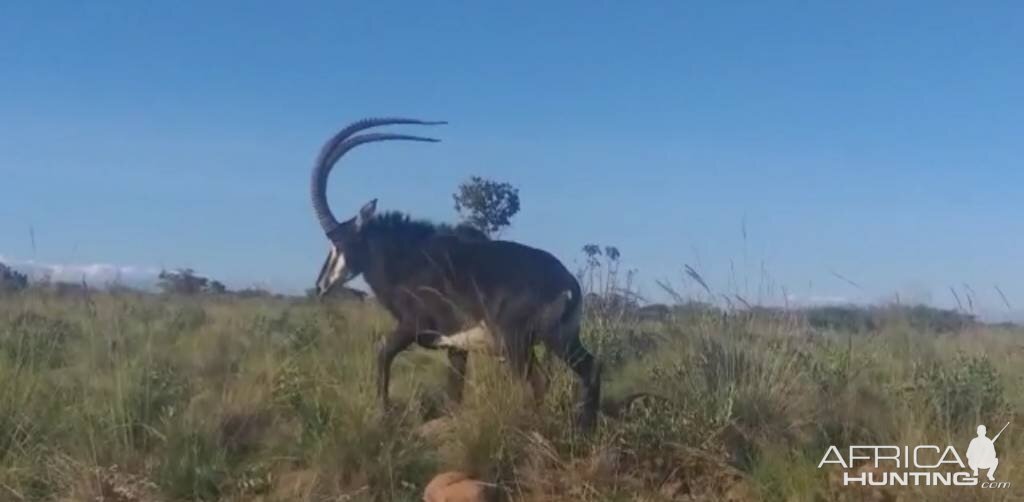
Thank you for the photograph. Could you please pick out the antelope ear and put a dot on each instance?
(366, 213)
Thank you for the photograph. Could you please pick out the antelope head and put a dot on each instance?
(348, 253)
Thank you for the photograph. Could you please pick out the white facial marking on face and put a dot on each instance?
(476, 339)
(337, 266)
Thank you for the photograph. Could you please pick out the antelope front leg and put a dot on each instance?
(398, 341)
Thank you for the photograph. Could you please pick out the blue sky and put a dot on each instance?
(877, 140)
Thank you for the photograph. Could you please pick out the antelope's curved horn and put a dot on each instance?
(342, 142)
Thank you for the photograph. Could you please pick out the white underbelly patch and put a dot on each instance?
(475, 339)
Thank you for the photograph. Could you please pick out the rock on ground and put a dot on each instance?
(454, 486)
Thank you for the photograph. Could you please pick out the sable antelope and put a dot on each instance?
(452, 287)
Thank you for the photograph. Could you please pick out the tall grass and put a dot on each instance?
(133, 397)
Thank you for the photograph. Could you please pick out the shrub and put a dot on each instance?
(30, 339)
(962, 392)
(11, 281)
(185, 281)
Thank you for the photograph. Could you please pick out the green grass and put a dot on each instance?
(144, 398)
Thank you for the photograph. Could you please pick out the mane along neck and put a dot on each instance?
(393, 240)
(397, 229)
(400, 228)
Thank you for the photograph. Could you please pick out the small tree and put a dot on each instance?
(595, 282)
(11, 280)
(184, 281)
(601, 280)
(254, 292)
(216, 288)
(486, 204)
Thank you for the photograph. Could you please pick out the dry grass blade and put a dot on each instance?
(692, 274)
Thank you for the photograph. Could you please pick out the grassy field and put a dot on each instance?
(134, 397)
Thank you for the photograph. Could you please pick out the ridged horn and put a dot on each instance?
(341, 143)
